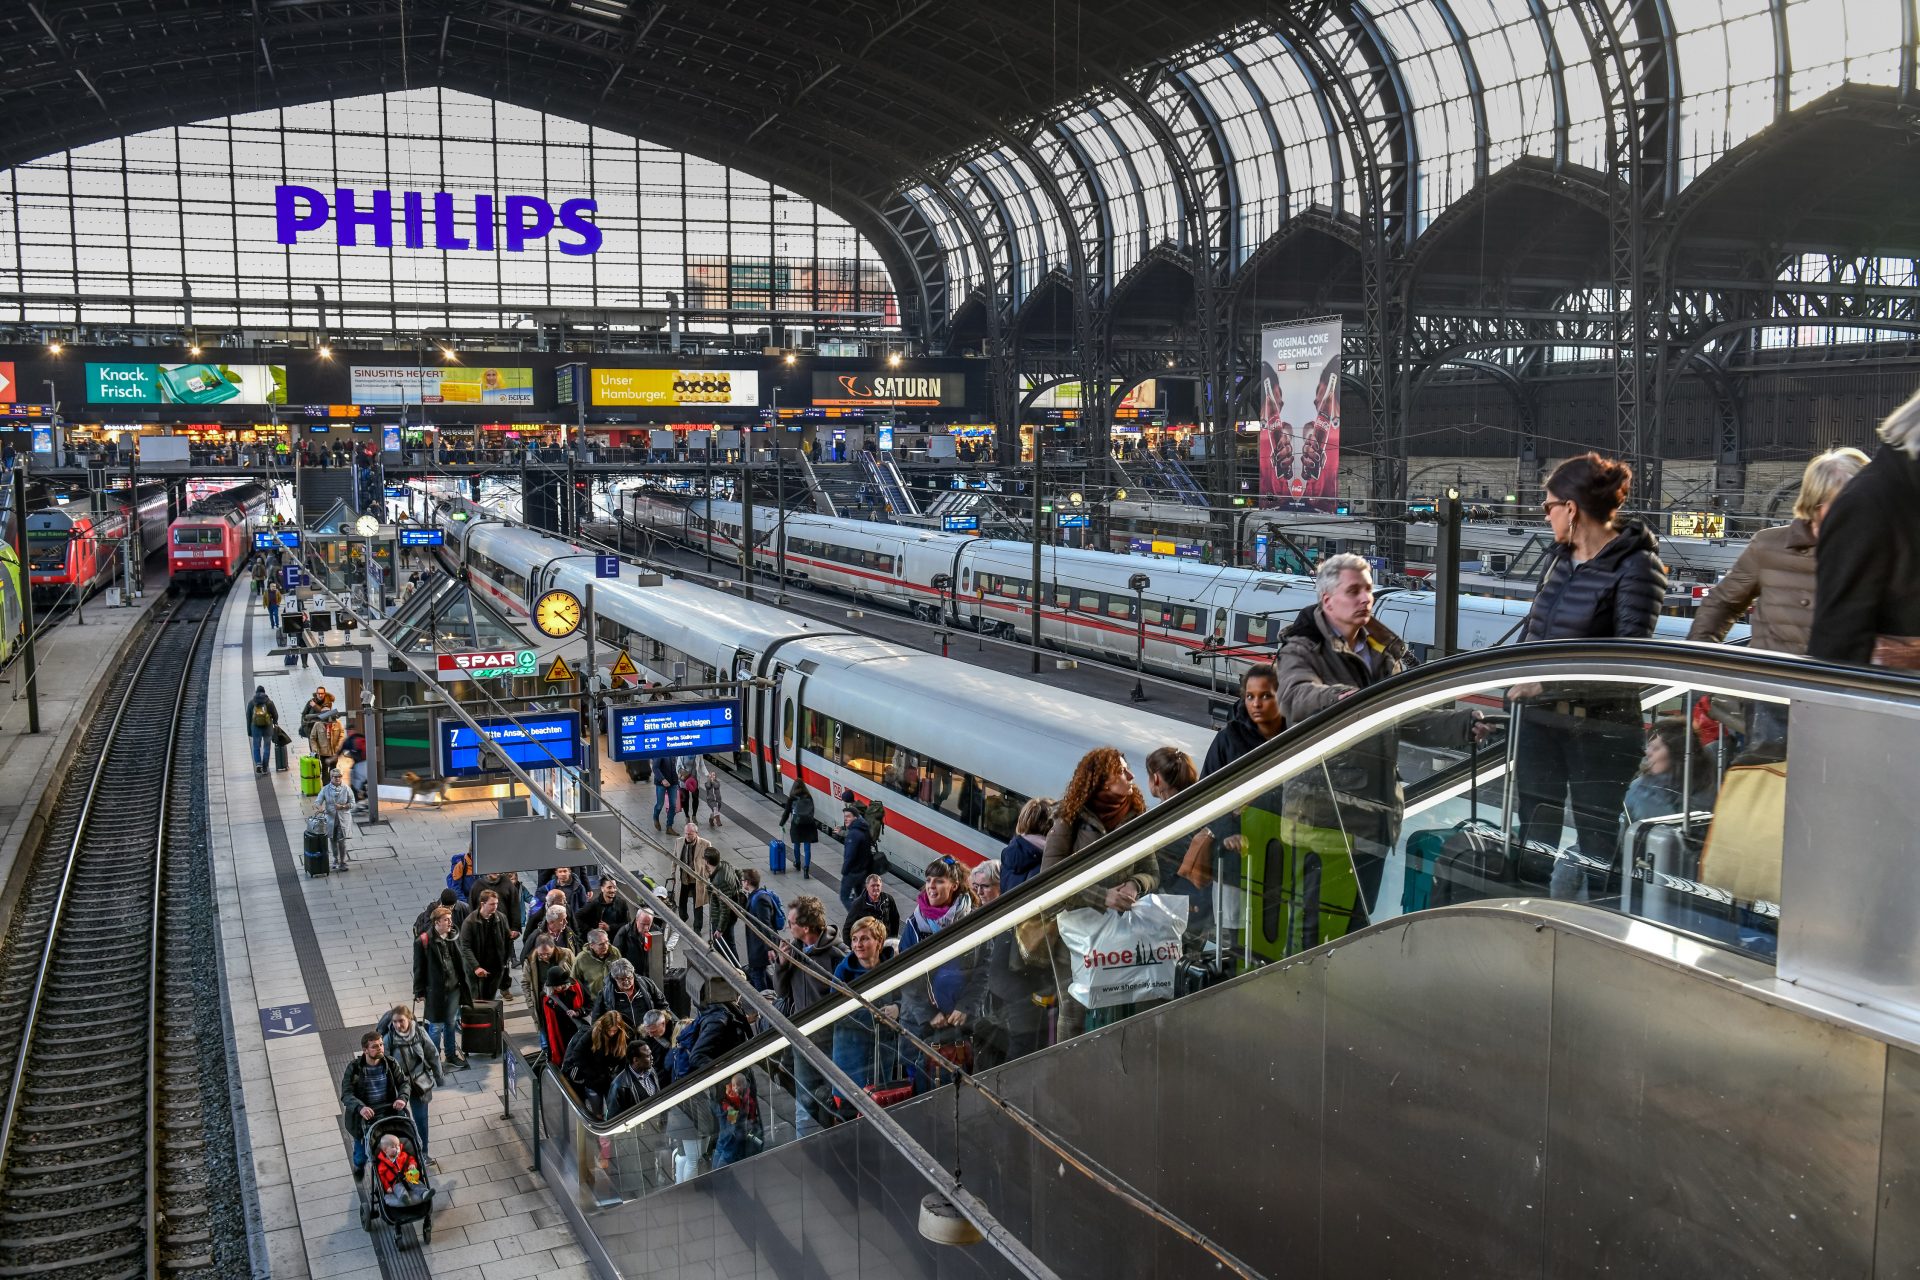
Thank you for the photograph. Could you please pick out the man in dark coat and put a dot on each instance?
(1865, 608)
(1343, 818)
(875, 901)
(606, 909)
(486, 948)
(440, 979)
(856, 858)
(368, 1087)
(629, 993)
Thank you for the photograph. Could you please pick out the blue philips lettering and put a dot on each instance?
(288, 221)
(576, 216)
(444, 236)
(414, 220)
(367, 217)
(521, 227)
(348, 219)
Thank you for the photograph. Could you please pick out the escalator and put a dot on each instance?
(1440, 1013)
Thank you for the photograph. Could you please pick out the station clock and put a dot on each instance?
(557, 614)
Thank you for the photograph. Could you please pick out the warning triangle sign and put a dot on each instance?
(559, 671)
(623, 668)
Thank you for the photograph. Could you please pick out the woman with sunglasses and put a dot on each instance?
(1602, 580)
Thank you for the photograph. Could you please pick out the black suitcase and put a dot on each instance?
(481, 1029)
(677, 999)
(313, 850)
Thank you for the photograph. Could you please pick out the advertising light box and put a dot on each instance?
(403, 384)
(544, 741)
(674, 729)
(195, 384)
(675, 388)
(926, 390)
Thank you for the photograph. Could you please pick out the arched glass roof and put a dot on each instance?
(1482, 83)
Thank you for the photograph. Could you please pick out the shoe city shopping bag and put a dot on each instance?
(1123, 956)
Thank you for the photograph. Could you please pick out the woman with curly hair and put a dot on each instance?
(1100, 796)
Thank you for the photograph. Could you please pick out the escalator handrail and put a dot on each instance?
(1687, 663)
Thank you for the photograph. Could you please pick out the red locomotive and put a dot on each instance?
(74, 551)
(208, 545)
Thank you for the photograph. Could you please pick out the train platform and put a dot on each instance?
(311, 964)
(73, 660)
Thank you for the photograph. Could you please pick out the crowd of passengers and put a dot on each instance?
(1836, 583)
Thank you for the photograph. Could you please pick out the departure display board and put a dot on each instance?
(675, 729)
(541, 741)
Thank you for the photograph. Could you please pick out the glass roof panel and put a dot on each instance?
(1832, 43)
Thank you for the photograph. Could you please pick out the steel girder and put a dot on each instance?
(1631, 43)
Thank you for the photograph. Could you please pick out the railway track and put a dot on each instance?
(103, 1168)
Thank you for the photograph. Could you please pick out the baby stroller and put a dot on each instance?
(406, 1203)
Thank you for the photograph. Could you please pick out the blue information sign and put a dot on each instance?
(960, 524)
(396, 491)
(545, 740)
(292, 577)
(1070, 522)
(423, 538)
(675, 729)
(606, 566)
(267, 540)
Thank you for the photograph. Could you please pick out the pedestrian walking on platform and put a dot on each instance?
(259, 575)
(710, 791)
(486, 947)
(416, 1065)
(366, 1090)
(272, 597)
(262, 719)
(332, 806)
(440, 982)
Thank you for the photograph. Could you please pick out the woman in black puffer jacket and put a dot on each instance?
(1602, 580)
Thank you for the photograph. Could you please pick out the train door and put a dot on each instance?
(793, 718)
(757, 706)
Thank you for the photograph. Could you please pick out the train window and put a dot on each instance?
(999, 810)
(1120, 607)
(1252, 629)
(966, 579)
(1220, 624)
(1186, 618)
(1087, 602)
(196, 537)
(786, 725)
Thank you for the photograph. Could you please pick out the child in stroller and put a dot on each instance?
(399, 1192)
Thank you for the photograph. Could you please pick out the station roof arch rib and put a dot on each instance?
(1836, 175)
(1530, 233)
(1312, 264)
(1154, 297)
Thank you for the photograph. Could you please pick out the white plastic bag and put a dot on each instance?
(1120, 957)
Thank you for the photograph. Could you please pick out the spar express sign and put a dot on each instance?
(490, 664)
(435, 219)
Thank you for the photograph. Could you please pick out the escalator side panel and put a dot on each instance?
(1695, 1132)
(1436, 1058)
(1898, 1241)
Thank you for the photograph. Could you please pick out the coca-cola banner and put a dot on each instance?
(1300, 413)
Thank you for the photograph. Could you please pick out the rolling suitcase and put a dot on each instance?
(313, 851)
(309, 775)
(480, 1028)
(677, 998)
(777, 856)
(280, 757)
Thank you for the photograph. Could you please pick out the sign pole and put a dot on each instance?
(370, 729)
(588, 709)
(26, 591)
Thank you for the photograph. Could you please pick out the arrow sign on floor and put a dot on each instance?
(282, 1020)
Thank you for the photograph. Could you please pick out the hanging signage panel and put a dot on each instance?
(546, 741)
(923, 390)
(675, 388)
(674, 729)
(488, 663)
(401, 384)
(195, 384)
(1300, 413)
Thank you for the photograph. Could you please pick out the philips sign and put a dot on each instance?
(515, 225)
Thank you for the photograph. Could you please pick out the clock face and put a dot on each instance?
(557, 613)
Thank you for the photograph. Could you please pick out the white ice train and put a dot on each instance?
(1202, 623)
(954, 750)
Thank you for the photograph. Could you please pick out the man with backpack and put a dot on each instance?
(857, 857)
(711, 1034)
(763, 905)
(262, 718)
(724, 899)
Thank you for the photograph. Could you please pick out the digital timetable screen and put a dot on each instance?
(675, 729)
(544, 741)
